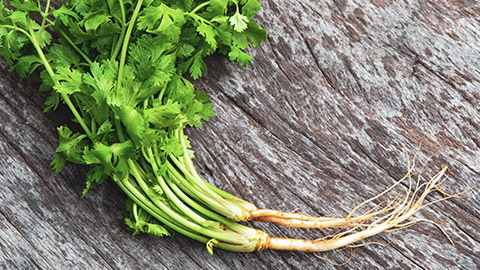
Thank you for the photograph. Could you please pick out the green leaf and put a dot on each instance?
(199, 111)
(202, 96)
(165, 116)
(70, 148)
(43, 37)
(92, 23)
(133, 122)
(185, 50)
(26, 65)
(250, 8)
(172, 146)
(208, 33)
(162, 20)
(197, 67)
(239, 22)
(30, 5)
(62, 55)
(70, 80)
(102, 80)
(105, 127)
(63, 13)
(95, 176)
(110, 155)
(239, 56)
(58, 162)
(218, 7)
(141, 221)
(156, 230)
(256, 33)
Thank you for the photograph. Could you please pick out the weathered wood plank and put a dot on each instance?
(317, 122)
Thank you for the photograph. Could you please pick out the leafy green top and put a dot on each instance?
(119, 66)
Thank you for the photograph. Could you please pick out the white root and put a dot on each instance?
(396, 217)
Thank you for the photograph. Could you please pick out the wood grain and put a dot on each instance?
(317, 122)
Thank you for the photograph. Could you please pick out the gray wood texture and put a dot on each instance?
(319, 122)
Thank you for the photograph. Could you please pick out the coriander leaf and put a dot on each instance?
(156, 230)
(62, 14)
(95, 176)
(239, 56)
(256, 33)
(69, 80)
(164, 116)
(93, 22)
(239, 22)
(172, 146)
(250, 8)
(185, 50)
(62, 55)
(101, 80)
(162, 20)
(202, 96)
(111, 155)
(208, 33)
(58, 162)
(218, 7)
(105, 127)
(133, 122)
(43, 38)
(70, 148)
(197, 66)
(26, 65)
(32, 5)
(199, 111)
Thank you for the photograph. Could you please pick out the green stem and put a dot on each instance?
(201, 184)
(171, 195)
(93, 125)
(214, 201)
(224, 235)
(145, 204)
(75, 47)
(50, 71)
(45, 15)
(244, 230)
(196, 17)
(200, 7)
(119, 129)
(126, 40)
(190, 167)
(122, 32)
(142, 201)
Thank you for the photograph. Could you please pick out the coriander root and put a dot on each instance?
(395, 218)
(124, 79)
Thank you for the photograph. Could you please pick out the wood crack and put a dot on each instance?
(27, 241)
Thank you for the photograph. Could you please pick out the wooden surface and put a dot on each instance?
(318, 122)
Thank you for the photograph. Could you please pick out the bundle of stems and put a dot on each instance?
(119, 67)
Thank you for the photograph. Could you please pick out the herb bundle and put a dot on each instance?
(120, 67)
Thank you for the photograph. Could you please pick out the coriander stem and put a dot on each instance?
(50, 71)
(75, 47)
(188, 161)
(244, 230)
(126, 40)
(119, 129)
(145, 203)
(223, 235)
(171, 195)
(197, 8)
(196, 17)
(217, 203)
(45, 15)
(122, 32)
